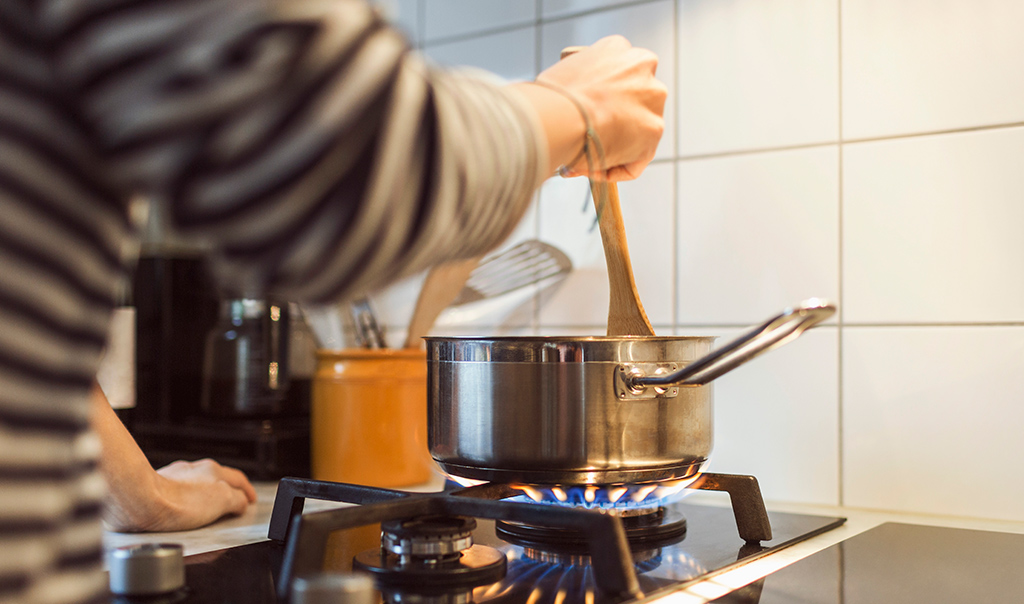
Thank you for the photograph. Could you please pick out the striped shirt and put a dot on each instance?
(300, 140)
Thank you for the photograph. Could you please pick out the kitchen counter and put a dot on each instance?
(251, 527)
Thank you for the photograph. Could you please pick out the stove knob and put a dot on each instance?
(333, 588)
(147, 569)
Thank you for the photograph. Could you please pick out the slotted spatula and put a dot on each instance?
(527, 263)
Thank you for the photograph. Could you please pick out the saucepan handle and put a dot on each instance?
(779, 330)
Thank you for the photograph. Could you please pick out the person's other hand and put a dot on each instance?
(180, 496)
(196, 493)
(616, 83)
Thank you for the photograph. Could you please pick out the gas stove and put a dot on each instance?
(498, 542)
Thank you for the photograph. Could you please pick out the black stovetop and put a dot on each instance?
(900, 563)
(248, 574)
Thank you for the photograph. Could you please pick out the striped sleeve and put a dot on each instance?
(301, 139)
(63, 236)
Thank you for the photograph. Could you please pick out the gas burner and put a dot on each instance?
(655, 528)
(644, 560)
(619, 499)
(431, 551)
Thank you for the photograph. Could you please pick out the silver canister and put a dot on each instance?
(333, 588)
(147, 569)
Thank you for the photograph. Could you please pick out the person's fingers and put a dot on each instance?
(237, 479)
(627, 172)
(234, 500)
(614, 42)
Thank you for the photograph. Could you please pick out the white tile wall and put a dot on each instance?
(919, 66)
(567, 221)
(932, 228)
(910, 400)
(757, 233)
(648, 25)
(448, 18)
(757, 74)
(559, 8)
(776, 418)
(932, 420)
(491, 52)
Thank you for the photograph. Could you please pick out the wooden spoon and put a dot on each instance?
(442, 285)
(626, 316)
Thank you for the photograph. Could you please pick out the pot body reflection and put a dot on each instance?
(548, 411)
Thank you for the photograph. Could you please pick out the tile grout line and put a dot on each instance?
(481, 33)
(846, 325)
(742, 152)
(676, 196)
(850, 141)
(538, 23)
(925, 133)
(840, 445)
(421, 24)
(538, 19)
(824, 326)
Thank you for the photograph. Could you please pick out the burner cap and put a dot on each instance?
(431, 537)
(477, 565)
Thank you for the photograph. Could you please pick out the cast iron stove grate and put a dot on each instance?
(306, 536)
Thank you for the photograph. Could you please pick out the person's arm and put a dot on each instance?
(317, 155)
(180, 496)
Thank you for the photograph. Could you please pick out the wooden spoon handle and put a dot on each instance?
(442, 285)
(626, 316)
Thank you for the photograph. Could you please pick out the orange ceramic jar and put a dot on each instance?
(369, 417)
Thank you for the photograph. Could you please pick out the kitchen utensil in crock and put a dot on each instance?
(369, 333)
(527, 263)
(441, 286)
(585, 410)
(626, 314)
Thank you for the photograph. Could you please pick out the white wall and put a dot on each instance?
(868, 151)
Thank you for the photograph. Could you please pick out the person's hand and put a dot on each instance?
(197, 493)
(615, 83)
(177, 497)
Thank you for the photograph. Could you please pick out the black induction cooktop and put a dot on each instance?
(900, 564)
(249, 574)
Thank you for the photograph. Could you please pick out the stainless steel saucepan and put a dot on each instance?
(586, 410)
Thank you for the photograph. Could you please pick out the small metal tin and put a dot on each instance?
(333, 588)
(146, 569)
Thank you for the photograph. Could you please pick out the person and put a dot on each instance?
(301, 141)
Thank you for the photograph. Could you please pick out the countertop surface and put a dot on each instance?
(251, 527)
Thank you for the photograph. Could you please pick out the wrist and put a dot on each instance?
(135, 503)
(564, 124)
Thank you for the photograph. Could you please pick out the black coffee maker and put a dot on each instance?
(218, 377)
